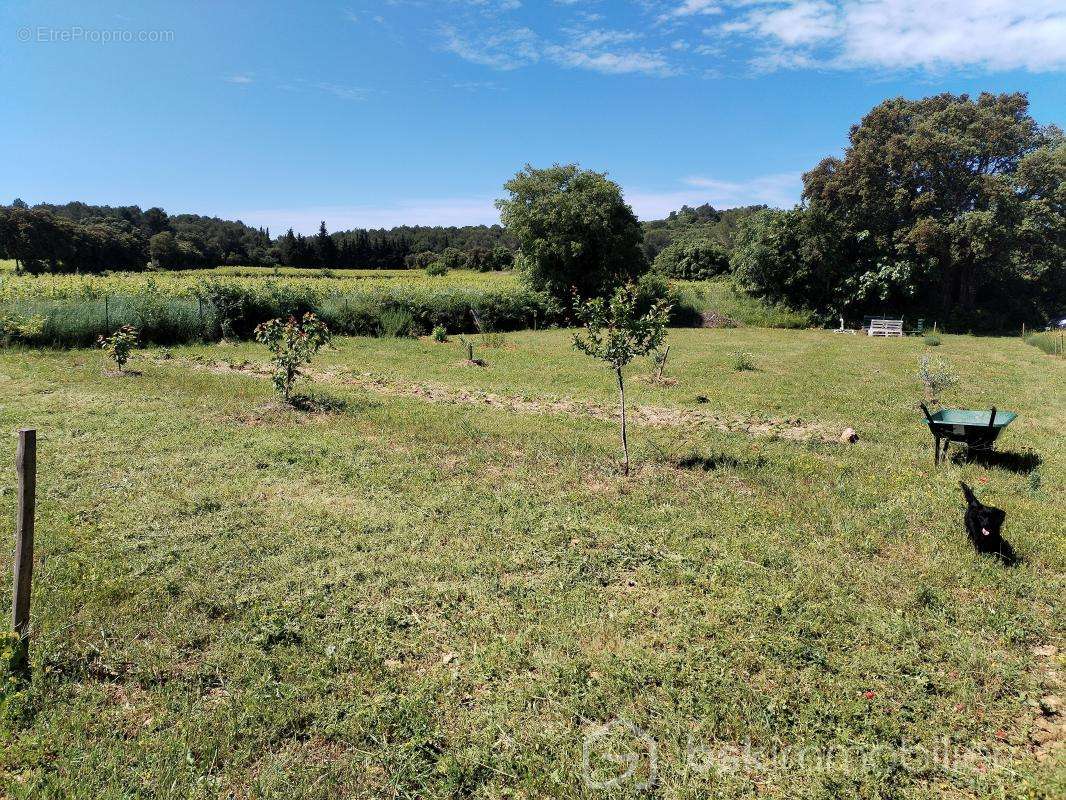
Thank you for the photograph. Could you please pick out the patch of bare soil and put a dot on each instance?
(1048, 734)
(654, 416)
(712, 319)
(796, 430)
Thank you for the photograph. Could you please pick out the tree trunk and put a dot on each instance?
(625, 439)
(662, 364)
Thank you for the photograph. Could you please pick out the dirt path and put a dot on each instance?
(654, 416)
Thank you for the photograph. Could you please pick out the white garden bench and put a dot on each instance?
(885, 327)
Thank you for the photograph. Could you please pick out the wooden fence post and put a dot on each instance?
(26, 466)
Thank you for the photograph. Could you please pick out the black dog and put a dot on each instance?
(983, 524)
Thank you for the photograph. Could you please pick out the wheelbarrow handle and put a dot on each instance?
(925, 411)
(992, 418)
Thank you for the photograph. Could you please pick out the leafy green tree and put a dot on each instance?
(156, 220)
(292, 343)
(949, 205)
(694, 260)
(500, 259)
(574, 230)
(119, 345)
(164, 251)
(453, 258)
(616, 333)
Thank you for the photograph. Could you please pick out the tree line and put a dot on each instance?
(78, 237)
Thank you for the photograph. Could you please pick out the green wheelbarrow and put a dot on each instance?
(978, 430)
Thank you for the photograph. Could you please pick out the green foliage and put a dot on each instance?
(494, 340)
(440, 334)
(14, 676)
(948, 206)
(452, 258)
(742, 361)
(17, 328)
(437, 269)
(292, 344)
(575, 232)
(119, 345)
(931, 340)
(702, 223)
(164, 251)
(421, 260)
(616, 333)
(396, 323)
(695, 260)
(937, 376)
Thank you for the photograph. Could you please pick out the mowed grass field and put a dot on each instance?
(446, 595)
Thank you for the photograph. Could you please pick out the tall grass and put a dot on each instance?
(1052, 342)
(78, 323)
(723, 297)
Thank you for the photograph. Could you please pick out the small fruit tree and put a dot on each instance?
(119, 345)
(936, 376)
(615, 332)
(292, 344)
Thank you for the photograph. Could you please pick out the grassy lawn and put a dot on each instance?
(437, 599)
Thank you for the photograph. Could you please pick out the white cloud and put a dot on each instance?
(594, 49)
(780, 190)
(689, 8)
(907, 34)
(241, 78)
(639, 62)
(505, 50)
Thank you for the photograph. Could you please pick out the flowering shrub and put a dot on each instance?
(292, 343)
(119, 345)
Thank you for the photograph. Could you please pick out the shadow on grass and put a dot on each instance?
(319, 403)
(1022, 463)
(716, 461)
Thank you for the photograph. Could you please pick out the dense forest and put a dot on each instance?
(78, 237)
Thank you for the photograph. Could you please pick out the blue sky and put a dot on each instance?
(371, 113)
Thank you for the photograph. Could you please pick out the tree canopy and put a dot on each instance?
(949, 205)
(574, 231)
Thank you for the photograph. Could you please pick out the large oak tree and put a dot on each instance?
(574, 230)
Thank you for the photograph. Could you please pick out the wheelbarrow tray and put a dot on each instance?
(975, 429)
(970, 427)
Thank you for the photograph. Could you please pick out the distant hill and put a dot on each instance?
(704, 222)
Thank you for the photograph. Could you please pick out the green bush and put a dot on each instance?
(119, 345)
(932, 339)
(396, 323)
(440, 334)
(436, 269)
(292, 344)
(694, 260)
(742, 361)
